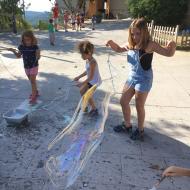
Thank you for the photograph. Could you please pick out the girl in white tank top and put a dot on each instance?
(86, 50)
(96, 76)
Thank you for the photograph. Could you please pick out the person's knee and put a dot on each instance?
(139, 106)
(83, 89)
(124, 102)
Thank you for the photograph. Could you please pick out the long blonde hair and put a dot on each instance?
(140, 24)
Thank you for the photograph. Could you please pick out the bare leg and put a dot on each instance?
(32, 79)
(83, 90)
(66, 26)
(140, 99)
(126, 97)
(92, 103)
(56, 26)
(53, 38)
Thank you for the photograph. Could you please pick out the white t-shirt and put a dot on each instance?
(96, 78)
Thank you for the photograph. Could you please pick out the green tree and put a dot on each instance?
(9, 10)
(73, 5)
(42, 25)
(165, 12)
(11, 15)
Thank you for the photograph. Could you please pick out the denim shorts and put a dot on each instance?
(89, 85)
(140, 85)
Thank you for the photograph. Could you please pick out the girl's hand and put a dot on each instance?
(172, 47)
(79, 84)
(115, 46)
(109, 43)
(76, 79)
(170, 171)
(11, 49)
(176, 171)
(17, 53)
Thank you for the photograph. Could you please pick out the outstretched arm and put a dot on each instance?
(176, 171)
(80, 76)
(115, 46)
(168, 50)
(17, 53)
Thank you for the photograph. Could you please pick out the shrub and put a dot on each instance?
(42, 25)
(27, 25)
(24, 25)
(165, 12)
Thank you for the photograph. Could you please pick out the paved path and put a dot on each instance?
(119, 163)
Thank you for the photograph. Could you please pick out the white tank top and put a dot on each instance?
(96, 78)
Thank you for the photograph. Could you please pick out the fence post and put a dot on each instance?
(186, 39)
(152, 28)
(182, 37)
(176, 33)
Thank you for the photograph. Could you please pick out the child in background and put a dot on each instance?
(82, 20)
(73, 18)
(51, 30)
(66, 20)
(92, 72)
(93, 22)
(56, 15)
(78, 19)
(30, 53)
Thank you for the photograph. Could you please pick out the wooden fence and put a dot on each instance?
(185, 38)
(163, 34)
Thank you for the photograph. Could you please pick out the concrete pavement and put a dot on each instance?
(119, 163)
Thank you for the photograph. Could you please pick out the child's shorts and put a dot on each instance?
(89, 85)
(56, 20)
(32, 71)
(139, 85)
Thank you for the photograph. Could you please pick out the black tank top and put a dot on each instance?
(145, 59)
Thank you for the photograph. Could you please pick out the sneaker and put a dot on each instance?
(122, 128)
(137, 135)
(93, 113)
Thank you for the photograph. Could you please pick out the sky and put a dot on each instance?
(39, 5)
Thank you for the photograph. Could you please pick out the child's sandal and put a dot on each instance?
(33, 100)
(93, 113)
(37, 94)
(138, 135)
(122, 128)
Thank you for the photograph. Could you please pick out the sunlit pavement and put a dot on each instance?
(119, 163)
